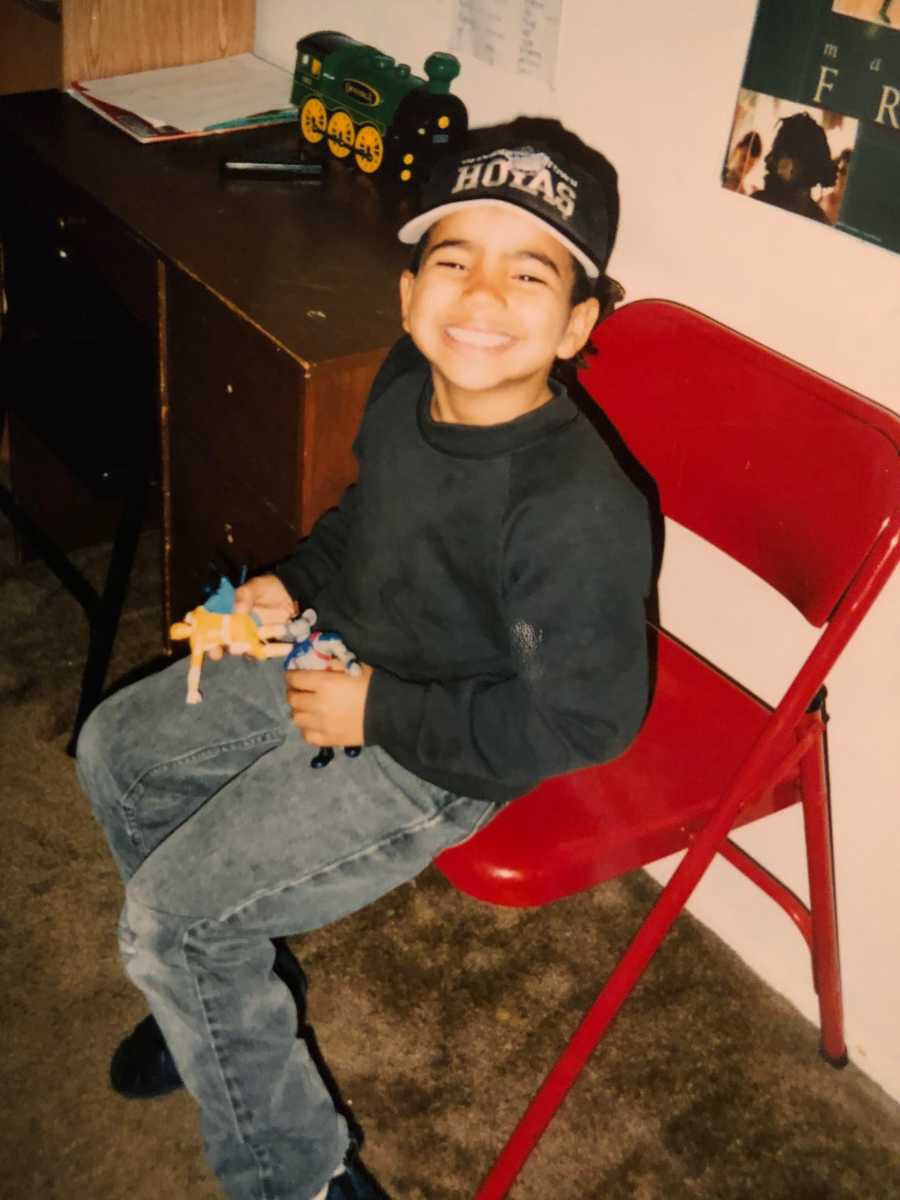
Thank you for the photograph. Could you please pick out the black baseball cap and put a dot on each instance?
(567, 199)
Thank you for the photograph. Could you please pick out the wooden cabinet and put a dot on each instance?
(45, 44)
(30, 46)
(117, 37)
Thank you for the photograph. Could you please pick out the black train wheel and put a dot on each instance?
(341, 133)
(369, 149)
(313, 120)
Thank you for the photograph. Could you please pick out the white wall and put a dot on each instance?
(653, 85)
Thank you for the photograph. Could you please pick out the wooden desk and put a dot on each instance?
(271, 306)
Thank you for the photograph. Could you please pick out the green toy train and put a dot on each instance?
(364, 104)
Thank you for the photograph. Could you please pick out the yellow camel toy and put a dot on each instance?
(237, 633)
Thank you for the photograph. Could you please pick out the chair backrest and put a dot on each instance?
(785, 471)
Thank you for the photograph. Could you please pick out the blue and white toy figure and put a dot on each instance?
(314, 650)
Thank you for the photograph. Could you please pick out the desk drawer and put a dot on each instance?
(127, 264)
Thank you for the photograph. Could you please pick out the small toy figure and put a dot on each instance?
(215, 625)
(314, 650)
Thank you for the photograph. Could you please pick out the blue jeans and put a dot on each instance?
(225, 838)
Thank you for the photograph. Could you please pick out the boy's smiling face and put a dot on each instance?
(490, 308)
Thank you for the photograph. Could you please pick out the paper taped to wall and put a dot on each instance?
(519, 36)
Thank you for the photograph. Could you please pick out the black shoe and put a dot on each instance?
(142, 1066)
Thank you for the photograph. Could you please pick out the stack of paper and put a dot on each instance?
(177, 102)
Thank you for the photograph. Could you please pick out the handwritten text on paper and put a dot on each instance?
(520, 36)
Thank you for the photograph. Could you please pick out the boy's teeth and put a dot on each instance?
(477, 337)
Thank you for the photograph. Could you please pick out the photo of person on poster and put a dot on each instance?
(798, 161)
(795, 157)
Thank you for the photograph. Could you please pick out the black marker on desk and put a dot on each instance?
(290, 169)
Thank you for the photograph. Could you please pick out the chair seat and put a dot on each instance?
(580, 829)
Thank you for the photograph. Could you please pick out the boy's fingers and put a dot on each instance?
(262, 610)
(312, 737)
(243, 598)
(309, 728)
(303, 703)
(298, 681)
(267, 597)
(307, 681)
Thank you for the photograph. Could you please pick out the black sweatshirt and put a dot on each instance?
(495, 577)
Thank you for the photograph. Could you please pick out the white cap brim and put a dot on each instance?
(413, 230)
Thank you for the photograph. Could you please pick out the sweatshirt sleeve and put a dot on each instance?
(574, 603)
(318, 557)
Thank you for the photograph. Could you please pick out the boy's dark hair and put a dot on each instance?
(608, 292)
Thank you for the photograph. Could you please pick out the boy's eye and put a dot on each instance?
(450, 262)
(524, 277)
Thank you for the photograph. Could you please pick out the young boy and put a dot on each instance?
(489, 568)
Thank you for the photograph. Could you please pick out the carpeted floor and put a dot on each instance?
(437, 1015)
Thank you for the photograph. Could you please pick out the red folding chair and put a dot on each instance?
(797, 479)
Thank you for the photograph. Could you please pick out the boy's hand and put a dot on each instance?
(267, 598)
(329, 706)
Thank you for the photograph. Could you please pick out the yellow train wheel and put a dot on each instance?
(340, 133)
(313, 119)
(369, 149)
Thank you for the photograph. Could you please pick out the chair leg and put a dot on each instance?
(105, 620)
(819, 855)
(599, 1017)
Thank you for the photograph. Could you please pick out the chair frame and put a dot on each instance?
(800, 716)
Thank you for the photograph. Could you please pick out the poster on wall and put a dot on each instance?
(816, 128)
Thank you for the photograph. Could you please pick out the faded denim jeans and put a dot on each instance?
(225, 838)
